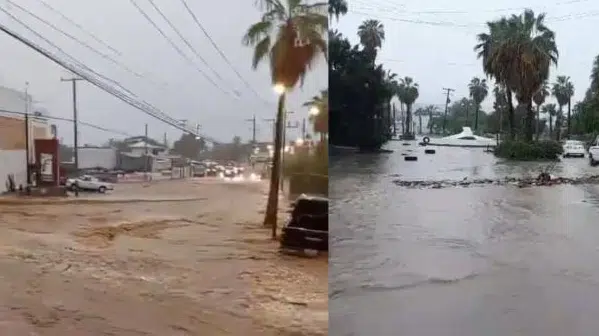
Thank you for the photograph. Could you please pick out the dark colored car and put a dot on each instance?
(308, 227)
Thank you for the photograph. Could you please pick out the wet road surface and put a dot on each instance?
(167, 258)
(494, 260)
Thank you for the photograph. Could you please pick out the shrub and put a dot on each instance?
(529, 151)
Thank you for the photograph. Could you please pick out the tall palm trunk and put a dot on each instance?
(569, 117)
(537, 128)
(273, 195)
(550, 126)
(511, 114)
(430, 123)
(420, 124)
(529, 119)
(408, 118)
(476, 116)
(558, 123)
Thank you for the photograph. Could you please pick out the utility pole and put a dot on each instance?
(27, 145)
(304, 129)
(74, 81)
(253, 121)
(272, 121)
(448, 91)
(146, 151)
(394, 122)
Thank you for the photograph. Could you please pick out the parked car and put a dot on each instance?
(308, 227)
(573, 148)
(88, 183)
(229, 172)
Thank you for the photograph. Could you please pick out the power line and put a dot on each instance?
(142, 106)
(79, 26)
(395, 7)
(194, 50)
(101, 128)
(199, 24)
(179, 51)
(562, 18)
(58, 48)
(84, 44)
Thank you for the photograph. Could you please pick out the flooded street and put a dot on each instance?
(172, 258)
(492, 260)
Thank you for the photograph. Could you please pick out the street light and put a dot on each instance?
(314, 111)
(279, 89)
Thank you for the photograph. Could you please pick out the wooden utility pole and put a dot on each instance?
(146, 151)
(253, 121)
(448, 91)
(74, 81)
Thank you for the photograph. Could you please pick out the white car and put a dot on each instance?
(573, 148)
(90, 183)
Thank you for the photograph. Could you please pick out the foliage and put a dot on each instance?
(529, 151)
(478, 92)
(372, 35)
(320, 121)
(407, 92)
(188, 146)
(457, 117)
(307, 162)
(517, 52)
(360, 96)
(562, 90)
(337, 8)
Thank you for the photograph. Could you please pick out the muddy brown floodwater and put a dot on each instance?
(172, 258)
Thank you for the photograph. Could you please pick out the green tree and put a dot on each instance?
(478, 92)
(552, 112)
(517, 52)
(189, 146)
(539, 99)
(290, 36)
(408, 93)
(372, 35)
(320, 120)
(337, 8)
(562, 90)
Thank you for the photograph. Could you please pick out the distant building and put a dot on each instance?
(12, 135)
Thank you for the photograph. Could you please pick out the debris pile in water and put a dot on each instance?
(543, 179)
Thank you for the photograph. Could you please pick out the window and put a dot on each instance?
(467, 137)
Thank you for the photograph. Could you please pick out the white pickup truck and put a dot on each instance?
(89, 183)
(594, 152)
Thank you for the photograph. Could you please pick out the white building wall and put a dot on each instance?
(12, 162)
(92, 157)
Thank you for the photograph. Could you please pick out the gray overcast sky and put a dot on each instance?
(184, 93)
(436, 49)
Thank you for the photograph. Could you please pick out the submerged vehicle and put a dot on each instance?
(464, 139)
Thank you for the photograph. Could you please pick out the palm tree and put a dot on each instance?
(517, 52)
(337, 8)
(320, 117)
(539, 99)
(419, 113)
(478, 92)
(431, 111)
(595, 76)
(551, 110)
(408, 93)
(372, 35)
(562, 90)
(290, 35)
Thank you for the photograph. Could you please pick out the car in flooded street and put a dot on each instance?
(88, 183)
(573, 148)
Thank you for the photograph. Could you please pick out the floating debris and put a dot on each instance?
(543, 179)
